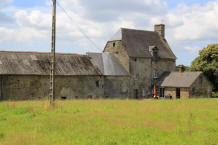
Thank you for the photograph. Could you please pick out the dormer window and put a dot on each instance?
(154, 52)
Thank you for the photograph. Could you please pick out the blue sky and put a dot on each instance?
(25, 25)
(28, 3)
(175, 3)
(171, 3)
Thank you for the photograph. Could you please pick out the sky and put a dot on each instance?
(25, 25)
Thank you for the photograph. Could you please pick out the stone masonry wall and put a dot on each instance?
(37, 87)
(163, 65)
(184, 93)
(116, 87)
(170, 91)
(119, 51)
(140, 70)
(201, 88)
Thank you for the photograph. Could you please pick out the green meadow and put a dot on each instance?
(110, 122)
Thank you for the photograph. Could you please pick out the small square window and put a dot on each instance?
(136, 77)
(114, 44)
(97, 84)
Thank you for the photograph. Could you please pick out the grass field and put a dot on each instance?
(110, 122)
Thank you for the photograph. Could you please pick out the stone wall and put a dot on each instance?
(170, 91)
(163, 65)
(184, 92)
(37, 87)
(116, 47)
(116, 87)
(201, 87)
(140, 70)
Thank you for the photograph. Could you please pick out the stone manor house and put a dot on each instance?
(133, 61)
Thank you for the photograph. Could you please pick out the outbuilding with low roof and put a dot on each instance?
(186, 85)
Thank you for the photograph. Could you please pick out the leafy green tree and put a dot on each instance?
(207, 62)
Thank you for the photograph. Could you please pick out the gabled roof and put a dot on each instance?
(137, 43)
(108, 64)
(177, 79)
(38, 63)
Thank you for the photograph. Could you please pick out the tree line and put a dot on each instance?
(207, 62)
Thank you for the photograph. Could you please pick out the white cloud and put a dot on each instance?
(195, 22)
(26, 35)
(192, 49)
(186, 25)
(112, 10)
(35, 19)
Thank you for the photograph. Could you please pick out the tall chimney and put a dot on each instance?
(181, 68)
(160, 29)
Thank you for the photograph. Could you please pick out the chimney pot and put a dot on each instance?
(181, 68)
(160, 29)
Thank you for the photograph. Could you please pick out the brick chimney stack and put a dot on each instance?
(181, 68)
(160, 29)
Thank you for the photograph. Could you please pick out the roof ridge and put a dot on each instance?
(188, 72)
(138, 30)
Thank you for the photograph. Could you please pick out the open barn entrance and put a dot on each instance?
(136, 94)
(177, 93)
(161, 92)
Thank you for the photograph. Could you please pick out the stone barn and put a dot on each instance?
(182, 85)
(25, 75)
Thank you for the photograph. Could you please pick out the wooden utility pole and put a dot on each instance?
(52, 57)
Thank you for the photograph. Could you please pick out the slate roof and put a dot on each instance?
(177, 79)
(137, 43)
(37, 63)
(108, 64)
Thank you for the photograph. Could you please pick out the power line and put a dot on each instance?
(81, 31)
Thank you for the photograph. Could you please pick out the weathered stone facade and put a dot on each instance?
(117, 48)
(202, 87)
(145, 55)
(141, 69)
(184, 93)
(117, 87)
(37, 87)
